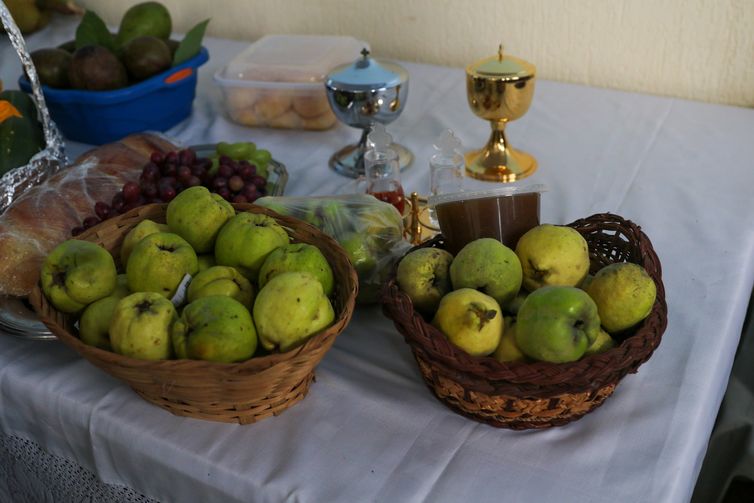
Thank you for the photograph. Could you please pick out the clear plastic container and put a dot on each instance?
(278, 81)
(504, 214)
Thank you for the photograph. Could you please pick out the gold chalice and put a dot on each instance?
(500, 89)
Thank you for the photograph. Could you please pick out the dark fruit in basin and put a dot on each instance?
(96, 69)
(146, 56)
(145, 18)
(52, 66)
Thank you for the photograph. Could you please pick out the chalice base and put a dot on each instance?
(349, 161)
(513, 165)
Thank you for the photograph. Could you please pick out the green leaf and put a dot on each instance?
(191, 43)
(92, 31)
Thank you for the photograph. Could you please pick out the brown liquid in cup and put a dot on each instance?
(505, 218)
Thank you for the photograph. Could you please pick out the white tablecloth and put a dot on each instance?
(369, 429)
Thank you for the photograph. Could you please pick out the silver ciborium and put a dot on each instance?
(360, 94)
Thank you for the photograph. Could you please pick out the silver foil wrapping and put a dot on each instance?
(52, 158)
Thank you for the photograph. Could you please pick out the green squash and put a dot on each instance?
(21, 101)
(20, 137)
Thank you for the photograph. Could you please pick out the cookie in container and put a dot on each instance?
(278, 81)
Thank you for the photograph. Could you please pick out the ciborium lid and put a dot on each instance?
(366, 74)
(501, 67)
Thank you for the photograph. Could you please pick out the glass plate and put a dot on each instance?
(277, 174)
(17, 318)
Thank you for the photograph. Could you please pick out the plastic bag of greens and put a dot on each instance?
(369, 230)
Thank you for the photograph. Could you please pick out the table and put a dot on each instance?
(369, 429)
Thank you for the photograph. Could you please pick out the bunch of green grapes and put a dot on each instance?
(242, 151)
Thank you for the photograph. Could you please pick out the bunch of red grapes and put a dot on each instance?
(166, 175)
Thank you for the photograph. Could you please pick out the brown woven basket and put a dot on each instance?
(243, 392)
(536, 395)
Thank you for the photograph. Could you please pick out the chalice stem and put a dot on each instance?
(361, 149)
(495, 153)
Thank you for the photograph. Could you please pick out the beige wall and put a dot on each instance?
(696, 49)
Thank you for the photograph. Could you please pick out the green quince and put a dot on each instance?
(76, 273)
(246, 240)
(221, 280)
(140, 326)
(298, 257)
(307, 310)
(197, 216)
(139, 232)
(216, 328)
(159, 262)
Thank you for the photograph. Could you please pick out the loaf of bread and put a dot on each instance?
(44, 215)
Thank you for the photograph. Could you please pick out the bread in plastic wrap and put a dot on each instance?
(44, 215)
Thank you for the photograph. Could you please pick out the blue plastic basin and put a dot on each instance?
(98, 117)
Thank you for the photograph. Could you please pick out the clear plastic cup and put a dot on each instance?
(503, 213)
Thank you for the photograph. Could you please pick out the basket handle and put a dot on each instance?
(178, 76)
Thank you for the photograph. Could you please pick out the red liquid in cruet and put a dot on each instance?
(394, 197)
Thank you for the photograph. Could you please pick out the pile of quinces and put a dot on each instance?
(210, 284)
(537, 303)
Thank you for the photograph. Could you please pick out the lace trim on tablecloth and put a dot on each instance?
(28, 474)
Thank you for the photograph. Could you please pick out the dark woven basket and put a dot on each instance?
(536, 395)
(243, 392)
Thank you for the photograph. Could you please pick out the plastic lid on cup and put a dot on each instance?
(510, 190)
